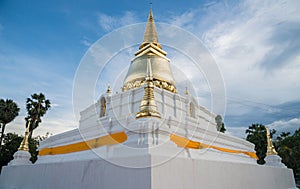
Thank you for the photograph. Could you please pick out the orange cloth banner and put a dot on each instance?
(110, 139)
(186, 143)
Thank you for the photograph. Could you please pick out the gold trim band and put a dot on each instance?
(111, 139)
(158, 83)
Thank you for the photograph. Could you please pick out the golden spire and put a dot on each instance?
(24, 143)
(270, 148)
(150, 35)
(108, 91)
(148, 106)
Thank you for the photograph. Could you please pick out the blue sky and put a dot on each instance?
(255, 43)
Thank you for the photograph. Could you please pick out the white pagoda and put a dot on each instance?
(147, 136)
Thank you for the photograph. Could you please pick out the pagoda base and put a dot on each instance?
(176, 173)
(21, 158)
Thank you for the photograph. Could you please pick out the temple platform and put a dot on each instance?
(177, 173)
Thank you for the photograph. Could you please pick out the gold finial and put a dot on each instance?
(108, 91)
(270, 148)
(148, 106)
(24, 143)
(186, 90)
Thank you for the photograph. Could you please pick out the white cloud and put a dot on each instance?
(280, 126)
(249, 34)
(236, 131)
(185, 19)
(285, 125)
(52, 124)
(86, 42)
(243, 44)
(255, 44)
(109, 23)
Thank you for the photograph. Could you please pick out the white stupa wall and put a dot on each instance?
(177, 173)
(120, 116)
(181, 173)
(128, 103)
(141, 136)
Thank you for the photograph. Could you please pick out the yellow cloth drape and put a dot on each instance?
(121, 137)
(110, 139)
(186, 143)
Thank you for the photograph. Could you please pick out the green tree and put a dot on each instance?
(220, 124)
(11, 143)
(36, 107)
(256, 133)
(9, 110)
(288, 148)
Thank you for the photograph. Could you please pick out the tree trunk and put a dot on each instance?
(2, 135)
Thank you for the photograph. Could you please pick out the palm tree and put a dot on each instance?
(8, 111)
(37, 107)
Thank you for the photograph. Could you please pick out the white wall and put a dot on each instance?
(177, 173)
